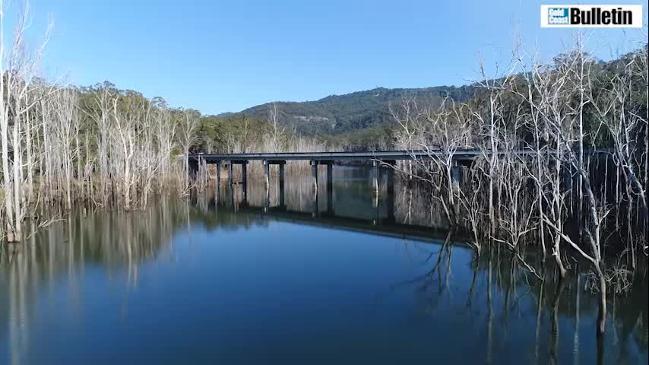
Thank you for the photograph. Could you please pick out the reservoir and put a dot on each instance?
(346, 277)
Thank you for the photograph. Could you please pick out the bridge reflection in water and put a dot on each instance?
(134, 274)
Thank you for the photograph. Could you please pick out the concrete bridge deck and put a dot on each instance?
(459, 154)
(333, 156)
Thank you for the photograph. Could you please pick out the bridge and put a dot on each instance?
(460, 154)
(377, 158)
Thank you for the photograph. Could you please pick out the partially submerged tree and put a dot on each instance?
(544, 131)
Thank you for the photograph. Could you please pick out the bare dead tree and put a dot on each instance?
(187, 134)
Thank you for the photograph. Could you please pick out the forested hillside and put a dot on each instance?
(351, 112)
(363, 119)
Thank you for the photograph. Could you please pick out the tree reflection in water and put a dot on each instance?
(497, 301)
(118, 241)
(519, 281)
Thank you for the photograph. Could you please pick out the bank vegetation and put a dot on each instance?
(563, 167)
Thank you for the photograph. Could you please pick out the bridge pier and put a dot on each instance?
(281, 183)
(230, 173)
(314, 174)
(376, 184)
(218, 179)
(456, 175)
(375, 178)
(330, 187)
(266, 164)
(330, 175)
(266, 174)
(231, 182)
(244, 171)
(389, 196)
(244, 181)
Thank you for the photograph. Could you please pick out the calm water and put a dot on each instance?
(348, 279)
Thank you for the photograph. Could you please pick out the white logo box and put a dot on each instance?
(560, 15)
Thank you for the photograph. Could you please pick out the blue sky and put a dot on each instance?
(218, 56)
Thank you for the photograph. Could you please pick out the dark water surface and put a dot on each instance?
(354, 280)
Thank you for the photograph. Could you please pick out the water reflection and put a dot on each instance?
(118, 242)
(412, 214)
(349, 276)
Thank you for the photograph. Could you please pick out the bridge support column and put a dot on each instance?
(244, 182)
(375, 187)
(376, 176)
(266, 175)
(281, 183)
(230, 190)
(456, 175)
(266, 165)
(330, 175)
(330, 187)
(389, 197)
(314, 173)
(217, 189)
(230, 173)
(244, 172)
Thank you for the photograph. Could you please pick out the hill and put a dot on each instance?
(352, 112)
